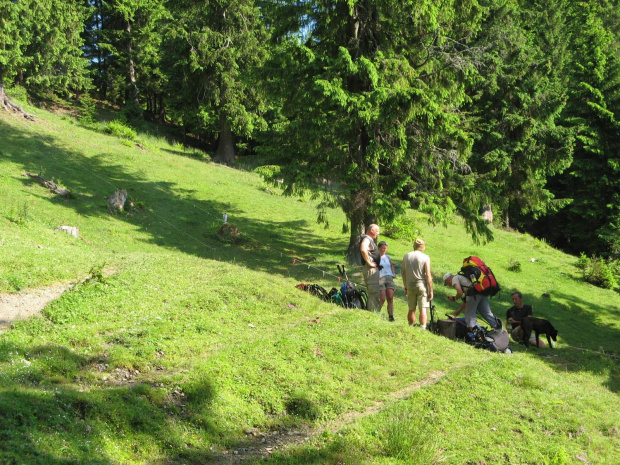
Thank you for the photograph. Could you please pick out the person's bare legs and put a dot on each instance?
(423, 316)
(411, 317)
(389, 294)
(382, 300)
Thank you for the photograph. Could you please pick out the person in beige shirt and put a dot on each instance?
(418, 282)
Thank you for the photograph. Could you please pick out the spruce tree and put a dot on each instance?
(591, 221)
(371, 95)
(213, 51)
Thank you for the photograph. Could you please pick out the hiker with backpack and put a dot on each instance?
(418, 282)
(475, 282)
(371, 259)
(387, 273)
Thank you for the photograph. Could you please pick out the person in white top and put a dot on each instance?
(418, 282)
(387, 273)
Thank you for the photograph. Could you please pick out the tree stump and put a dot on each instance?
(117, 200)
(51, 185)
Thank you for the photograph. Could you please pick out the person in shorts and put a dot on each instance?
(387, 273)
(418, 282)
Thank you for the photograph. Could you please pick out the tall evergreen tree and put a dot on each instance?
(124, 40)
(517, 102)
(13, 39)
(591, 222)
(40, 46)
(55, 60)
(372, 92)
(215, 48)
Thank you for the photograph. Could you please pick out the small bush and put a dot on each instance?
(299, 405)
(406, 438)
(17, 92)
(514, 265)
(583, 262)
(596, 271)
(229, 233)
(87, 109)
(120, 129)
(19, 214)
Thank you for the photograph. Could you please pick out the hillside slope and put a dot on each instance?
(173, 343)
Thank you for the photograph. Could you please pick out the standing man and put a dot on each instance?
(371, 258)
(417, 281)
(473, 302)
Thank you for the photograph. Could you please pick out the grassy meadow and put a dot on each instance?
(175, 347)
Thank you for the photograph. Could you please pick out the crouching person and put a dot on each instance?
(516, 314)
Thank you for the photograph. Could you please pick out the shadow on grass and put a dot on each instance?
(585, 343)
(333, 453)
(46, 420)
(172, 217)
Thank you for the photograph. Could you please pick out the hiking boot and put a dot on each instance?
(391, 318)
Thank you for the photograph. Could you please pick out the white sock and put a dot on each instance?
(423, 326)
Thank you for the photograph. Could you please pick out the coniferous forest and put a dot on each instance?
(378, 105)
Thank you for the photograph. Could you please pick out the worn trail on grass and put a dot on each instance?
(262, 445)
(20, 306)
(23, 305)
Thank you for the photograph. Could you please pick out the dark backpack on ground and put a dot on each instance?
(495, 340)
(482, 278)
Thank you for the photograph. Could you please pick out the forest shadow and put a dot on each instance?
(39, 408)
(170, 216)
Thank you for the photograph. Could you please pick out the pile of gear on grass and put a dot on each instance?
(483, 282)
(348, 295)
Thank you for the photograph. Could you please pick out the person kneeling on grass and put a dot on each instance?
(474, 303)
(514, 316)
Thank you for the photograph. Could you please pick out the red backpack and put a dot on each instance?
(481, 276)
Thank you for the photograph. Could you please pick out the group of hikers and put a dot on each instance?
(379, 274)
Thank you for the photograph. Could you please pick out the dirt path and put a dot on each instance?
(29, 302)
(261, 445)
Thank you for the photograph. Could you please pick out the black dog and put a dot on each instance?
(539, 326)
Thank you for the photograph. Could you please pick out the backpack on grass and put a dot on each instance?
(495, 340)
(482, 278)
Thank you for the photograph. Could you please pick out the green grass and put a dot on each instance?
(178, 342)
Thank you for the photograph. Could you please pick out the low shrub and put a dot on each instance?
(597, 271)
(514, 265)
(300, 405)
(120, 129)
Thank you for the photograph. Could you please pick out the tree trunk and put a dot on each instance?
(131, 69)
(225, 152)
(357, 217)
